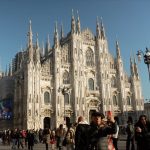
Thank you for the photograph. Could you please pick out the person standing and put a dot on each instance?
(70, 135)
(30, 139)
(60, 134)
(46, 135)
(53, 139)
(40, 135)
(81, 134)
(130, 134)
(99, 129)
(14, 138)
(142, 133)
(115, 136)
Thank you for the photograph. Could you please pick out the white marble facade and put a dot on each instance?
(75, 76)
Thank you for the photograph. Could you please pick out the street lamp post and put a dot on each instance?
(146, 57)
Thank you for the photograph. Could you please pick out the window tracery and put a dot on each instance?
(91, 84)
(128, 100)
(115, 100)
(66, 98)
(46, 97)
(66, 78)
(113, 81)
(89, 58)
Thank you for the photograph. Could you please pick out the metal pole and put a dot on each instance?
(148, 70)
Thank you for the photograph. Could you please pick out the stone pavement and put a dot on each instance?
(121, 145)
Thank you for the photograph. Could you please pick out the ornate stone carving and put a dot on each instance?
(46, 112)
(93, 103)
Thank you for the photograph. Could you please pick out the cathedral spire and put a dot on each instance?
(78, 24)
(118, 50)
(30, 44)
(131, 67)
(48, 44)
(136, 68)
(56, 38)
(37, 49)
(73, 24)
(37, 41)
(43, 49)
(62, 32)
(102, 30)
(98, 34)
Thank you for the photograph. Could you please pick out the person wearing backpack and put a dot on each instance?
(130, 134)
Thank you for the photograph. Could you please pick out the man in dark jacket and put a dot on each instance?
(30, 138)
(130, 134)
(81, 134)
(99, 130)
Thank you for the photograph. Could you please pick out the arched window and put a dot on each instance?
(66, 79)
(46, 97)
(113, 81)
(115, 101)
(91, 84)
(128, 100)
(89, 58)
(66, 98)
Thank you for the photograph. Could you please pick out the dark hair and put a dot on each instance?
(142, 117)
(116, 119)
(98, 114)
(130, 120)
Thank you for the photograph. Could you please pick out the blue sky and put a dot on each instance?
(127, 21)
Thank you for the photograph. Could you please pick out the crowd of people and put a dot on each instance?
(100, 134)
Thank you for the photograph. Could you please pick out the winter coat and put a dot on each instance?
(143, 138)
(30, 138)
(98, 136)
(81, 136)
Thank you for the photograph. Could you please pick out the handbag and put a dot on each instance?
(52, 141)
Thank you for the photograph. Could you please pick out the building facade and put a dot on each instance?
(147, 109)
(74, 77)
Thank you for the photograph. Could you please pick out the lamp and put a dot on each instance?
(146, 57)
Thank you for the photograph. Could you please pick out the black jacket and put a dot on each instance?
(98, 136)
(81, 137)
(143, 138)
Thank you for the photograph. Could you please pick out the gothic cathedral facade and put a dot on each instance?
(74, 77)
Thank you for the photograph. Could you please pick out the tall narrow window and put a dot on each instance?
(128, 100)
(113, 82)
(66, 98)
(46, 97)
(115, 101)
(91, 84)
(66, 79)
(89, 58)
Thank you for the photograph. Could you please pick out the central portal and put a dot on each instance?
(47, 122)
